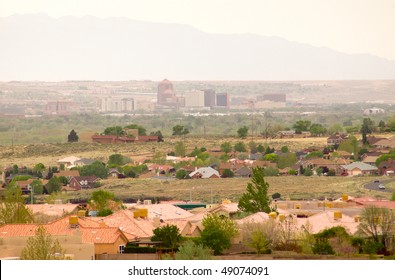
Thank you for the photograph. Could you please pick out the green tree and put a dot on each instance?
(260, 149)
(302, 125)
(378, 224)
(72, 137)
(114, 130)
(54, 185)
(270, 171)
(141, 130)
(218, 232)
(118, 159)
(286, 160)
(13, 209)
(270, 157)
(256, 198)
(42, 247)
(102, 202)
(97, 169)
(169, 235)
(189, 250)
(242, 132)
(317, 129)
(284, 149)
(367, 128)
(179, 149)
(37, 187)
(315, 154)
(336, 128)
(180, 130)
(181, 174)
(240, 147)
(227, 173)
(253, 147)
(39, 167)
(159, 134)
(226, 147)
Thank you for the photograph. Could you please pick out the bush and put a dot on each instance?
(372, 247)
(139, 250)
(323, 248)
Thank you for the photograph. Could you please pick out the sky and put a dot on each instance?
(350, 26)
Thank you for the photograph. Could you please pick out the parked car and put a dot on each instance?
(381, 186)
(376, 181)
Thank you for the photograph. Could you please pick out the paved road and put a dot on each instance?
(375, 186)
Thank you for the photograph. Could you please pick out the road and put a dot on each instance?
(375, 186)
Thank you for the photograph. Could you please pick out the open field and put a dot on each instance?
(216, 190)
(48, 154)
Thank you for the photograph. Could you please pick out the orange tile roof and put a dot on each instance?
(165, 211)
(52, 209)
(102, 235)
(134, 227)
(325, 220)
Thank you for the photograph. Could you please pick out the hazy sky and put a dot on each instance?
(351, 26)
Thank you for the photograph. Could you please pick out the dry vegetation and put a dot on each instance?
(291, 187)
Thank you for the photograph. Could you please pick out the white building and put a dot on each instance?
(373, 111)
(194, 99)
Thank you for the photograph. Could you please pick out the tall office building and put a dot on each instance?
(209, 98)
(222, 100)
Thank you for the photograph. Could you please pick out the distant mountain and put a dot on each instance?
(38, 47)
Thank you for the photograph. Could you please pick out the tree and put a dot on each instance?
(72, 137)
(114, 130)
(317, 129)
(256, 198)
(284, 149)
(286, 160)
(260, 148)
(378, 224)
(226, 147)
(179, 149)
(97, 169)
(54, 185)
(240, 147)
(253, 147)
(13, 209)
(159, 134)
(302, 125)
(103, 202)
(227, 173)
(42, 247)
(367, 128)
(382, 126)
(180, 130)
(118, 159)
(169, 235)
(242, 132)
(218, 232)
(37, 187)
(181, 174)
(189, 250)
(141, 130)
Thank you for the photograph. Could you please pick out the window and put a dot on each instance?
(121, 249)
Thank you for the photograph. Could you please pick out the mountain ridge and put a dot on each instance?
(39, 47)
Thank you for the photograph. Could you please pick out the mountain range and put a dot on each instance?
(39, 47)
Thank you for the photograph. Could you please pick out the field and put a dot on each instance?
(290, 187)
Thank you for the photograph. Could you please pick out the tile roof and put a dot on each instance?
(102, 235)
(258, 217)
(70, 159)
(325, 220)
(165, 211)
(125, 220)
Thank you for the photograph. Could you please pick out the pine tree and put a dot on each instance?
(73, 137)
(256, 198)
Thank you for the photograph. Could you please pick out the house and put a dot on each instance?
(113, 173)
(244, 172)
(25, 185)
(286, 134)
(187, 228)
(53, 210)
(68, 162)
(81, 238)
(164, 211)
(83, 161)
(204, 173)
(385, 143)
(371, 160)
(67, 173)
(387, 167)
(336, 139)
(83, 182)
(359, 168)
(134, 228)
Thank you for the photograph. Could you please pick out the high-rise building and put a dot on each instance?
(165, 93)
(222, 100)
(209, 98)
(117, 104)
(194, 99)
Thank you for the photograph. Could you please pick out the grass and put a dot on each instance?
(216, 190)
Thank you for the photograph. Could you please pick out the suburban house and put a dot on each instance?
(83, 182)
(387, 167)
(336, 139)
(371, 160)
(359, 168)
(68, 162)
(204, 173)
(113, 173)
(67, 173)
(83, 161)
(243, 172)
(81, 238)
